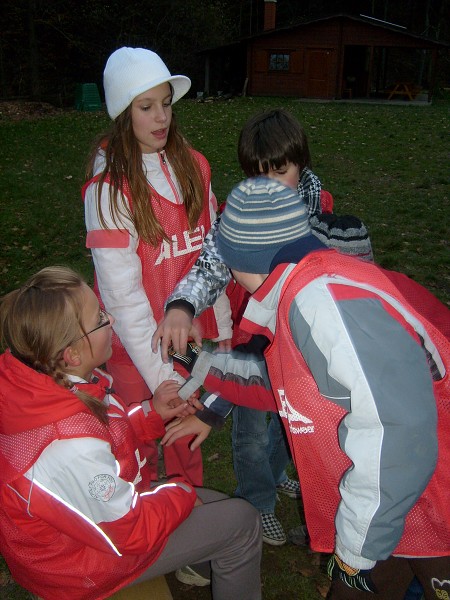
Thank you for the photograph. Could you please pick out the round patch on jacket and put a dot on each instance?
(102, 487)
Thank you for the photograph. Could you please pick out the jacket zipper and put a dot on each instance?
(165, 170)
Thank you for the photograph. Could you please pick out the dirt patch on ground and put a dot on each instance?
(22, 110)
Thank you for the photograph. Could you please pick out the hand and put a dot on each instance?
(194, 403)
(188, 426)
(175, 330)
(190, 407)
(358, 579)
(167, 403)
(186, 360)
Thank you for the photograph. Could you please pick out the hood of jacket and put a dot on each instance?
(29, 399)
(35, 411)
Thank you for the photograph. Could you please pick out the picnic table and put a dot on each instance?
(404, 88)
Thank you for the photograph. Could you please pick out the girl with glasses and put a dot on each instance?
(79, 518)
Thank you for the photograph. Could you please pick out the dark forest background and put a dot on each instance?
(47, 47)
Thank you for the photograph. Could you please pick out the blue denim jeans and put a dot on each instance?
(260, 456)
(415, 591)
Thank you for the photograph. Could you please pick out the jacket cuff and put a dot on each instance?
(183, 304)
(210, 418)
(350, 559)
(202, 366)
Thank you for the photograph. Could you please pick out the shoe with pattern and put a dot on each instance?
(273, 532)
(290, 488)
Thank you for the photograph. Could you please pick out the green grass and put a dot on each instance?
(386, 164)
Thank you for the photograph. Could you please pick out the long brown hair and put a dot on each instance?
(41, 319)
(123, 164)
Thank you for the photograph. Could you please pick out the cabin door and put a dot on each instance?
(318, 63)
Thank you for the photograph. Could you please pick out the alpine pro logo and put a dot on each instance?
(181, 244)
(294, 417)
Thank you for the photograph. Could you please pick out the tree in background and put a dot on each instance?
(48, 46)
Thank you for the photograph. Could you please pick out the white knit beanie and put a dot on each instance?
(132, 71)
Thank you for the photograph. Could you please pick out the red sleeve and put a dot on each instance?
(147, 424)
(422, 300)
(236, 391)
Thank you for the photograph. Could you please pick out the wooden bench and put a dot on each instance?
(154, 589)
(403, 88)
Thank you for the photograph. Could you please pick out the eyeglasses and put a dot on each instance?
(105, 320)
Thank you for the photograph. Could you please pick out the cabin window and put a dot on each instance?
(278, 62)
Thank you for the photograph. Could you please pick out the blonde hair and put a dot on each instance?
(123, 164)
(41, 319)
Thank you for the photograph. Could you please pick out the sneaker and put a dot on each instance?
(299, 536)
(190, 577)
(290, 488)
(273, 533)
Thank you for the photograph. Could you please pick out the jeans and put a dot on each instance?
(260, 456)
(415, 591)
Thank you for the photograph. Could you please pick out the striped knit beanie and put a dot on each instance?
(261, 216)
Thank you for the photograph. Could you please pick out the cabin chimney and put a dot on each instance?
(270, 13)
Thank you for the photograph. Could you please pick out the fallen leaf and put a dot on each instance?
(323, 589)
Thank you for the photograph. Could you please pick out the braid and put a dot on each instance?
(41, 319)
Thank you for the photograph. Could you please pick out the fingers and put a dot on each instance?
(156, 337)
(173, 424)
(196, 335)
(173, 433)
(188, 410)
(166, 398)
(166, 342)
(175, 330)
(195, 403)
(201, 437)
(182, 410)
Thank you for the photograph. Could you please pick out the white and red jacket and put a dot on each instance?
(78, 520)
(360, 379)
(134, 279)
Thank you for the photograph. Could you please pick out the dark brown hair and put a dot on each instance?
(271, 139)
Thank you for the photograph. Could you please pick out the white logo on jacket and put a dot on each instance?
(287, 411)
(184, 243)
(102, 487)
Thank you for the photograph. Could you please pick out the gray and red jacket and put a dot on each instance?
(360, 378)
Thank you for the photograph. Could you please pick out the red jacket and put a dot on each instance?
(90, 540)
(319, 454)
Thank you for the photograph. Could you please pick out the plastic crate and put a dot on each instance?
(87, 97)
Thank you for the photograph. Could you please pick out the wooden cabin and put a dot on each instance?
(335, 57)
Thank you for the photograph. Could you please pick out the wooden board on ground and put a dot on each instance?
(156, 589)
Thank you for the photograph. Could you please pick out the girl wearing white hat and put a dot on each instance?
(148, 206)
